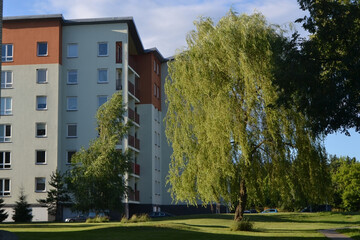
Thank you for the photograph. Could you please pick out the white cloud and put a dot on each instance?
(164, 24)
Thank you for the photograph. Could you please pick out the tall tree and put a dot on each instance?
(22, 210)
(96, 179)
(227, 136)
(327, 64)
(3, 214)
(57, 197)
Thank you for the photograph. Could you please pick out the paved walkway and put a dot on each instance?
(333, 234)
(5, 235)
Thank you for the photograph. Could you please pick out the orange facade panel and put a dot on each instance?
(25, 35)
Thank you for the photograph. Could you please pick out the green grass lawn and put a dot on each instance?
(267, 226)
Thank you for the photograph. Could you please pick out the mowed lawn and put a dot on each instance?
(267, 226)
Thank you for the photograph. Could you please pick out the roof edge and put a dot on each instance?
(34, 17)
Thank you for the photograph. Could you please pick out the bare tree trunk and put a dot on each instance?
(239, 212)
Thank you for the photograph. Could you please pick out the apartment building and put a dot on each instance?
(55, 75)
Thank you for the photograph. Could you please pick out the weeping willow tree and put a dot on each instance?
(229, 139)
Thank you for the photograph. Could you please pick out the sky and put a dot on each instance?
(164, 25)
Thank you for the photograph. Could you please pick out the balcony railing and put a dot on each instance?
(134, 116)
(136, 169)
(133, 89)
(134, 195)
(133, 142)
(118, 84)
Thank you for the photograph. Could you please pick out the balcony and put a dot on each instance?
(134, 195)
(132, 89)
(135, 169)
(134, 116)
(134, 142)
(118, 84)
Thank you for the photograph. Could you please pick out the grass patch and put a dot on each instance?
(351, 232)
(280, 226)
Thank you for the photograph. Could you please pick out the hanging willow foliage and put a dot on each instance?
(228, 138)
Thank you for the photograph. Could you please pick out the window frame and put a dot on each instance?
(36, 157)
(2, 189)
(4, 79)
(68, 160)
(68, 74)
(67, 103)
(37, 75)
(107, 76)
(38, 49)
(36, 184)
(68, 50)
(3, 159)
(3, 103)
(67, 130)
(5, 138)
(6, 57)
(37, 129)
(37, 103)
(107, 49)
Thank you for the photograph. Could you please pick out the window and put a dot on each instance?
(6, 106)
(5, 162)
(102, 75)
(40, 129)
(40, 157)
(42, 49)
(4, 187)
(155, 87)
(72, 77)
(102, 49)
(72, 50)
(71, 103)
(7, 53)
(157, 69)
(72, 130)
(40, 184)
(154, 66)
(41, 103)
(5, 133)
(69, 155)
(41, 75)
(6, 79)
(102, 100)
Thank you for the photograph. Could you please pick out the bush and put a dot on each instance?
(98, 219)
(22, 210)
(243, 225)
(135, 218)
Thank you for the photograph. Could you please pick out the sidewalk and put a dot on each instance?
(332, 234)
(5, 235)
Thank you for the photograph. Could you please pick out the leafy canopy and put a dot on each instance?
(223, 125)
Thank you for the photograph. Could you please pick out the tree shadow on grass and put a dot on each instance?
(148, 233)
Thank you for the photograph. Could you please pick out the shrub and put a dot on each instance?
(243, 225)
(135, 218)
(3, 214)
(22, 210)
(98, 219)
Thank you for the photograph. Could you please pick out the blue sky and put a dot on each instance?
(164, 24)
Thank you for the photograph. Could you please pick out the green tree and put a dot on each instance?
(228, 138)
(57, 197)
(346, 183)
(3, 214)
(22, 210)
(96, 179)
(326, 66)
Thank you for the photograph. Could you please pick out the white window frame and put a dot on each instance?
(107, 75)
(5, 57)
(72, 71)
(69, 106)
(36, 157)
(99, 97)
(4, 192)
(3, 128)
(37, 103)
(68, 161)
(37, 75)
(43, 181)
(107, 49)
(3, 106)
(69, 54)
(3, 163)
(5, 75)
(37, 128)
(67, 130)
(38, 49)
